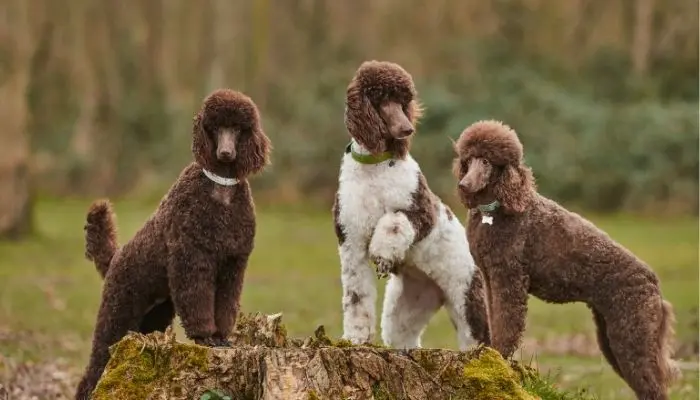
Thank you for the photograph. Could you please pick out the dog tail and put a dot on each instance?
(100, 235)
(669, 367)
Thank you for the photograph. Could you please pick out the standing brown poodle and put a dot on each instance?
(525, 243)
(191, 255)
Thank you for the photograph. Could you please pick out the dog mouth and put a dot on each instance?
(405, 136)
(226, 154)
(225, 157)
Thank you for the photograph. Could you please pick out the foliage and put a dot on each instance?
(604, 94)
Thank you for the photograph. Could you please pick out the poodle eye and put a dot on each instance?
(484, 162)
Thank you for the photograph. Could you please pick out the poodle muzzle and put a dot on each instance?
(400, 127)
(226, 144)
(477, 177)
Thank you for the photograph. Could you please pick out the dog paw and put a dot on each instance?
(212, 341)
(405, 353)
(222, 342)
(384, 267)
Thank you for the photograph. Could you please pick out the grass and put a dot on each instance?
(49, 294)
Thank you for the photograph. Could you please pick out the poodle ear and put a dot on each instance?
(253, 152)
(456, 162)
(201, 145)
(363, 121)
(415, 112)
(457, 167)
(512, 189)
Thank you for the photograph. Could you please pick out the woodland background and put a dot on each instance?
(97, 99)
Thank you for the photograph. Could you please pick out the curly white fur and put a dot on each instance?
(435, 271)
(392, 237)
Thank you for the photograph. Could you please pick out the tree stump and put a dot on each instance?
(263, 363)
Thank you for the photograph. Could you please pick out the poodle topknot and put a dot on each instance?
(382, 108)
(527, 244)
(492, 140)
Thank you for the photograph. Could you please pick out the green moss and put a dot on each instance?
(379, 392)
(489, 376)
(313, 396)
(343, 343)
(135, 368)
(544, 388)
(422, 357)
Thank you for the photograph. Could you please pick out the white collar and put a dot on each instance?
(220, 179)
(358, 148)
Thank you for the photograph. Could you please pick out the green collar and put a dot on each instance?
(368, 158)
(491, 207)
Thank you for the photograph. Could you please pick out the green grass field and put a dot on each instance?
(49, 294)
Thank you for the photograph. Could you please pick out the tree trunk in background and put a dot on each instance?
(15, 199)
(641, 39)
(17, 42)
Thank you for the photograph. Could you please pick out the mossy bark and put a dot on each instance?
(264, 363)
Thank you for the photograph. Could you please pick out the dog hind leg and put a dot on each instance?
(409, 303)
(633, 338)
(118, 314)
(603, 341)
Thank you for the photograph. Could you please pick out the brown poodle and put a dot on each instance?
(190, 257)
(525, 243)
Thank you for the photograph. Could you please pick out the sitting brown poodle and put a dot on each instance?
(525, 243)
(191, 255)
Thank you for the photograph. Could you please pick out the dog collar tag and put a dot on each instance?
(487, 219)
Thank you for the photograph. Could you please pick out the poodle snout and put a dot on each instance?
(226, 145)
(404, 131)
(393, 115)
(477, 176)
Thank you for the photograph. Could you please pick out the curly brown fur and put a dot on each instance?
(100, 235)
(190, 256)
(536, 246)
(381, 108)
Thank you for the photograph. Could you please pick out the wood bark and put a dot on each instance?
(264, 364)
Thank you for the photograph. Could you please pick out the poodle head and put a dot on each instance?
(228, 138)
(489, 166)
(382, 109)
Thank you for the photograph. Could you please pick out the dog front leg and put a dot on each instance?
(392, 237)
(192, 277)
(359, 294)
(229, 286)
(508, 309)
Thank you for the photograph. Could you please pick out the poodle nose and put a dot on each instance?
(406, 131)
(226, 155)
(465, 184)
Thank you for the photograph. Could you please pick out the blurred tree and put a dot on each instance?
(19, 33)
(113, 89)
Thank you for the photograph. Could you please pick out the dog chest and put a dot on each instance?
(367, 192)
